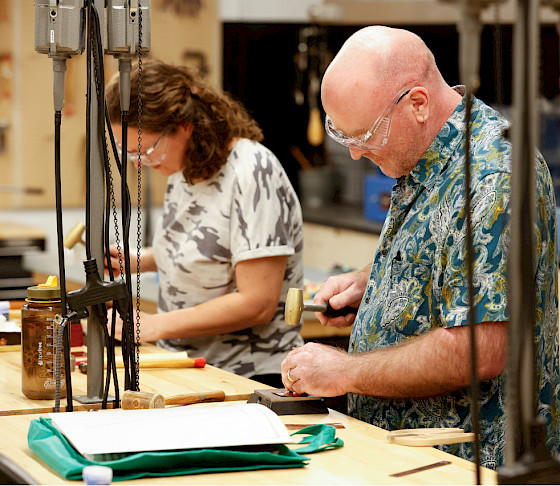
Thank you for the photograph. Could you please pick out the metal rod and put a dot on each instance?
(95, 335)
(521, 368)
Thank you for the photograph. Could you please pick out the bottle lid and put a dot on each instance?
(45, 291)
(97, 475)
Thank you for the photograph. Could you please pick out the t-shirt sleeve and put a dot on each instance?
(263, 201)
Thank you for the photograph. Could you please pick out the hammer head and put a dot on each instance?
(294, 306)
(132, 400)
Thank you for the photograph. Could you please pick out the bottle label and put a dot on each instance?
(40, 353)
(50, 383)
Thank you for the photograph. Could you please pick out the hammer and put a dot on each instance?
(133, 400)
(295, 307)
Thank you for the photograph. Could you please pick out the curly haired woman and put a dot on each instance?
(229, 242)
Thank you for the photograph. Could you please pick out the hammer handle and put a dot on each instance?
(165, 360)
(326, 309)
(188, 398)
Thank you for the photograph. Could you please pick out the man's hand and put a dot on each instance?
(317, 369)
(339, 291)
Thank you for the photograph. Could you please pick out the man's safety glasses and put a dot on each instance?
(376, 137)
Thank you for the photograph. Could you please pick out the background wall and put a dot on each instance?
(27, 159)
(260, 68)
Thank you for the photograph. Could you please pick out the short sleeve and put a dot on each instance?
(490, 236)
(262, 207)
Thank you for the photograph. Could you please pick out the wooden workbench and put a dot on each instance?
(164, 381)
(365, 458)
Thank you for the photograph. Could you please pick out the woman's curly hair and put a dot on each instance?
(176, 95)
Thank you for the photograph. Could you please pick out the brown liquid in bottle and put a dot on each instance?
(38, 342)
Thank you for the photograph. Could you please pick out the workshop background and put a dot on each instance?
(270, 54)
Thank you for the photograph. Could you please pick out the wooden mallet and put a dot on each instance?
(74, 236)
(134, 400)
(295, 306)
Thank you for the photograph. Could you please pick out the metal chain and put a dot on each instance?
(58, 324)
(116, 222)
(139, 200)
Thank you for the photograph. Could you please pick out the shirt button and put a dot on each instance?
(384, 252)
(367, 300)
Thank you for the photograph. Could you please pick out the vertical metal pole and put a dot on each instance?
(469, 62)
(95, 335)
(521, 368)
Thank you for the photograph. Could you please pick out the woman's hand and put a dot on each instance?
(117, 260)
(147, 262)
(149, 327)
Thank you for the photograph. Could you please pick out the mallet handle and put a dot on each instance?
(163, 360)
(326, 309)
(188, 398)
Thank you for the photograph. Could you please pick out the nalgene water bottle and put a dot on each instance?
(39, 341)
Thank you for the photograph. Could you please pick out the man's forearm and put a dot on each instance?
(432, 364)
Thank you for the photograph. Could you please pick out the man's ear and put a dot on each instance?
(420, 103)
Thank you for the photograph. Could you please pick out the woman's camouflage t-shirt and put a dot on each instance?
(247, 210)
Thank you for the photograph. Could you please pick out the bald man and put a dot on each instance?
(408, 363)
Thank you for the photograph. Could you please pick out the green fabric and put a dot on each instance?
(53, 448)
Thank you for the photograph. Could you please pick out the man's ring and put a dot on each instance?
(289, 377)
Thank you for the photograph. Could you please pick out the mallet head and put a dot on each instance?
(133, 400)
(74, 236)
(294, 306)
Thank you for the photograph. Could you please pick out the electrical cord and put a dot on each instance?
(62, 273)
(99, 79)
(94, 42)
(88, 133)
(122, 303)
(130, 358)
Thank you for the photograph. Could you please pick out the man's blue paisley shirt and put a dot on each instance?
(418, 280)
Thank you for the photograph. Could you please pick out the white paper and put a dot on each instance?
(126, 431)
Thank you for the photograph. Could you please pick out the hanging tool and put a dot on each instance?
(315, 125)
(315, 44)
(311, 61)
(134, 400)
(60, 33)
(295, 307)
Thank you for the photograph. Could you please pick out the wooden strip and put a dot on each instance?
(336, 425)
(421, 440)
(423, 431)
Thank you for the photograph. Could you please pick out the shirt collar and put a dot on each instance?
(442, 147)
